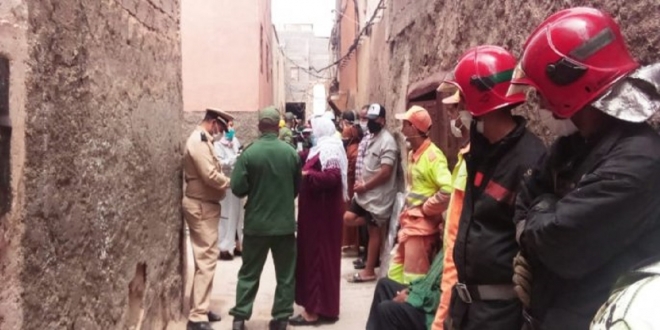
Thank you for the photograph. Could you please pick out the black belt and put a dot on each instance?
(530, 323)
(469, 293)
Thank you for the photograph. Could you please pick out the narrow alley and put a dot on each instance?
(495, 163)
(355, 298)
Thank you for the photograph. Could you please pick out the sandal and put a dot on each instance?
(301, 321)
(357, 278)
(349, 248)
(328, 320)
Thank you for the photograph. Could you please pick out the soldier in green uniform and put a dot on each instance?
(267, 172)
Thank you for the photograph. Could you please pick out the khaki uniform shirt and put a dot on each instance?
(202, 170)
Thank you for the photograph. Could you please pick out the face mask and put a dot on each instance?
(455, 131)
(408, 145)
(465, 118)
(374, 127)
(480, 126)
(363, 125)
(230, 134)
(217, 137)
(345, 142)
(558, 127)
(216, 133)
(312, 140)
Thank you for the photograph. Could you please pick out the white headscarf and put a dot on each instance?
(330, 149)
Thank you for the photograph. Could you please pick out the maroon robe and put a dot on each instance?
(320, 218)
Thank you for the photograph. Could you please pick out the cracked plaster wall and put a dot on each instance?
(422, 37)
(96, 105)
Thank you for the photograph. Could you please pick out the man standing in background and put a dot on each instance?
(231, 219)
(376, 190)
(205, 188)
(285, 133)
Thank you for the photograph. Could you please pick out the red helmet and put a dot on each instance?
(483, 76)
(572, 58)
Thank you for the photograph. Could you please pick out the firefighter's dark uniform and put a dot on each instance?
(485, 245)
(592, 212)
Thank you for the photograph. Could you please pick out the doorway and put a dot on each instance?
(297, 109)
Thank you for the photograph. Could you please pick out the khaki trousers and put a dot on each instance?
(202, 219)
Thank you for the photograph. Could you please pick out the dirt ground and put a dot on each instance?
(355, 298)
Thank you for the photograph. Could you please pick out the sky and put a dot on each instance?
(317, 12)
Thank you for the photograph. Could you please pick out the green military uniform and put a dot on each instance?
(286, 135)
(424, 293)
(267, 172)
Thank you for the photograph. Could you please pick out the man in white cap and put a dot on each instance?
(376, 189)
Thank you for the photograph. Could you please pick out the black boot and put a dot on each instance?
(224, 255)
(278, 324)
(198, 326)
(238, 324)
(213, 317)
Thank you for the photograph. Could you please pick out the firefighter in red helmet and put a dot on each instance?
(591, 211)
(501, 151)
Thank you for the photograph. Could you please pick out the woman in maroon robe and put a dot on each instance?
(320, 212)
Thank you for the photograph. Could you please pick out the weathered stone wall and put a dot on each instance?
(425, 36)
(13, 47)
(102, 175)
(246, 125)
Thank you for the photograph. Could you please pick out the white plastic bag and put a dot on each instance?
(390, 237)
(633, 307)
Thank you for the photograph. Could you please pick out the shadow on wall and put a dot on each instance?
(136, 290)
(5, 141)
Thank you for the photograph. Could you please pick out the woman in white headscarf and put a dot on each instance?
(322, 197)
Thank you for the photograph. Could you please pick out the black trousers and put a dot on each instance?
(387, 314)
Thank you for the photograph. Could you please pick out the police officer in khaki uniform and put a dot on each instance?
(205, 187)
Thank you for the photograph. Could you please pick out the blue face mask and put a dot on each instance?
(312, 140)
(230, 134)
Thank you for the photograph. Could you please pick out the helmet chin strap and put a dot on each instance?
(415, 136)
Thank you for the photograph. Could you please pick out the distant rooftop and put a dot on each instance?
(299, 27)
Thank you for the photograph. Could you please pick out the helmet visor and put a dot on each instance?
(449, 84)
(519, 82)
(453, 99)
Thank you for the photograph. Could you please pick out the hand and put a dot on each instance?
(226, 185)
(522, 279)
(304, 173)
(544, 203)
(401, 237)
(401, 296)
(359, 188)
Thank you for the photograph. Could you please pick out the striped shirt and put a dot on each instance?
(359, 163)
